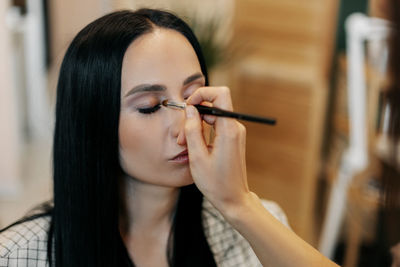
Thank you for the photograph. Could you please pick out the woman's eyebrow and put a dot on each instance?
(160, 87)
(146, 88)
(192, 78)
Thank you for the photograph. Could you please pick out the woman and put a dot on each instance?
(130, 174)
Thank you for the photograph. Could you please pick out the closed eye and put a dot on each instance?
(149, 110)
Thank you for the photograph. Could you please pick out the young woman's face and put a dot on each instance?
(156, 66)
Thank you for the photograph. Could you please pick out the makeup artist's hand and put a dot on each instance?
(219, 172)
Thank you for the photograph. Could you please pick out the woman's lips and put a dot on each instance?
(182, 157)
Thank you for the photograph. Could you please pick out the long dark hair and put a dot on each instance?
(84, 227)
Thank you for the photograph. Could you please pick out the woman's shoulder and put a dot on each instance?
(25, 243)
(228, 246)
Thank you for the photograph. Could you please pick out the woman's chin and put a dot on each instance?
(187, 180)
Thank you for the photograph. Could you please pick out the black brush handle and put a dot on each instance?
(240, 116)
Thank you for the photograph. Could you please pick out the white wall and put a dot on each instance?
(67, 18)
(9, 134)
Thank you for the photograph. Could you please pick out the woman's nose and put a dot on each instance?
(181, 139)
(176, 117)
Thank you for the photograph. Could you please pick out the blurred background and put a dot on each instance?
(318, 66)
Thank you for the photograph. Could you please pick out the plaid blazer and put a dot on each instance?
(25, 244)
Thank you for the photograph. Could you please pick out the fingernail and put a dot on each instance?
(190, 111)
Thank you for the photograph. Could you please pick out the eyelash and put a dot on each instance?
(149, 110)
(153, 108)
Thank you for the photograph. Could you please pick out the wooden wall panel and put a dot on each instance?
(284, 74)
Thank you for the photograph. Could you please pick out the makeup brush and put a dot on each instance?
(220, 112)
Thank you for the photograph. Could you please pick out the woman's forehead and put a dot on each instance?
(160, 43)
(162, 54)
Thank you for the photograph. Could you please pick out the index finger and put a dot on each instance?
(220, 97)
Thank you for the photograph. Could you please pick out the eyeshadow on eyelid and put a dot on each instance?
(191, 88)
(142, 101)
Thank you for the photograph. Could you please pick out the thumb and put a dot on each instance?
(197, 148)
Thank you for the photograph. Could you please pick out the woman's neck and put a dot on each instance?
(146, 207)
